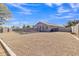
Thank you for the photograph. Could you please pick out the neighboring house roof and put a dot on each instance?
(50, 25)
(41, 23)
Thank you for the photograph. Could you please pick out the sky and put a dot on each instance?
(51, 13)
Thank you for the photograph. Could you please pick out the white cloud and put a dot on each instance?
(24, 10)
(58, 4)
(74, 6)
(48, 4)
(51, 4)
(62, 17)
(62, 10)
(20, 4)
(68, 16)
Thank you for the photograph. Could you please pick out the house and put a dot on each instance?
(43, 27)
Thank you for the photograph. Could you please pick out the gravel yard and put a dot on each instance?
(42, 44)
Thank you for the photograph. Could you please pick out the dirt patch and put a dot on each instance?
(42, 43)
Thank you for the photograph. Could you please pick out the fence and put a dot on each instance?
(63, 29)
(3, 30)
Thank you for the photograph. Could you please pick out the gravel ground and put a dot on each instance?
(42, 44)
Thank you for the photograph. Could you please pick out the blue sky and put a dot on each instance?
(52, 13)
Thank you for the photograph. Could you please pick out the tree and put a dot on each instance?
(13, 26)
(28, 26)
(72, 23)
(24, 26)
(5, 14)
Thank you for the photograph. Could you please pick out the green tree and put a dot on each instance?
(72, 23)
(28, 26)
